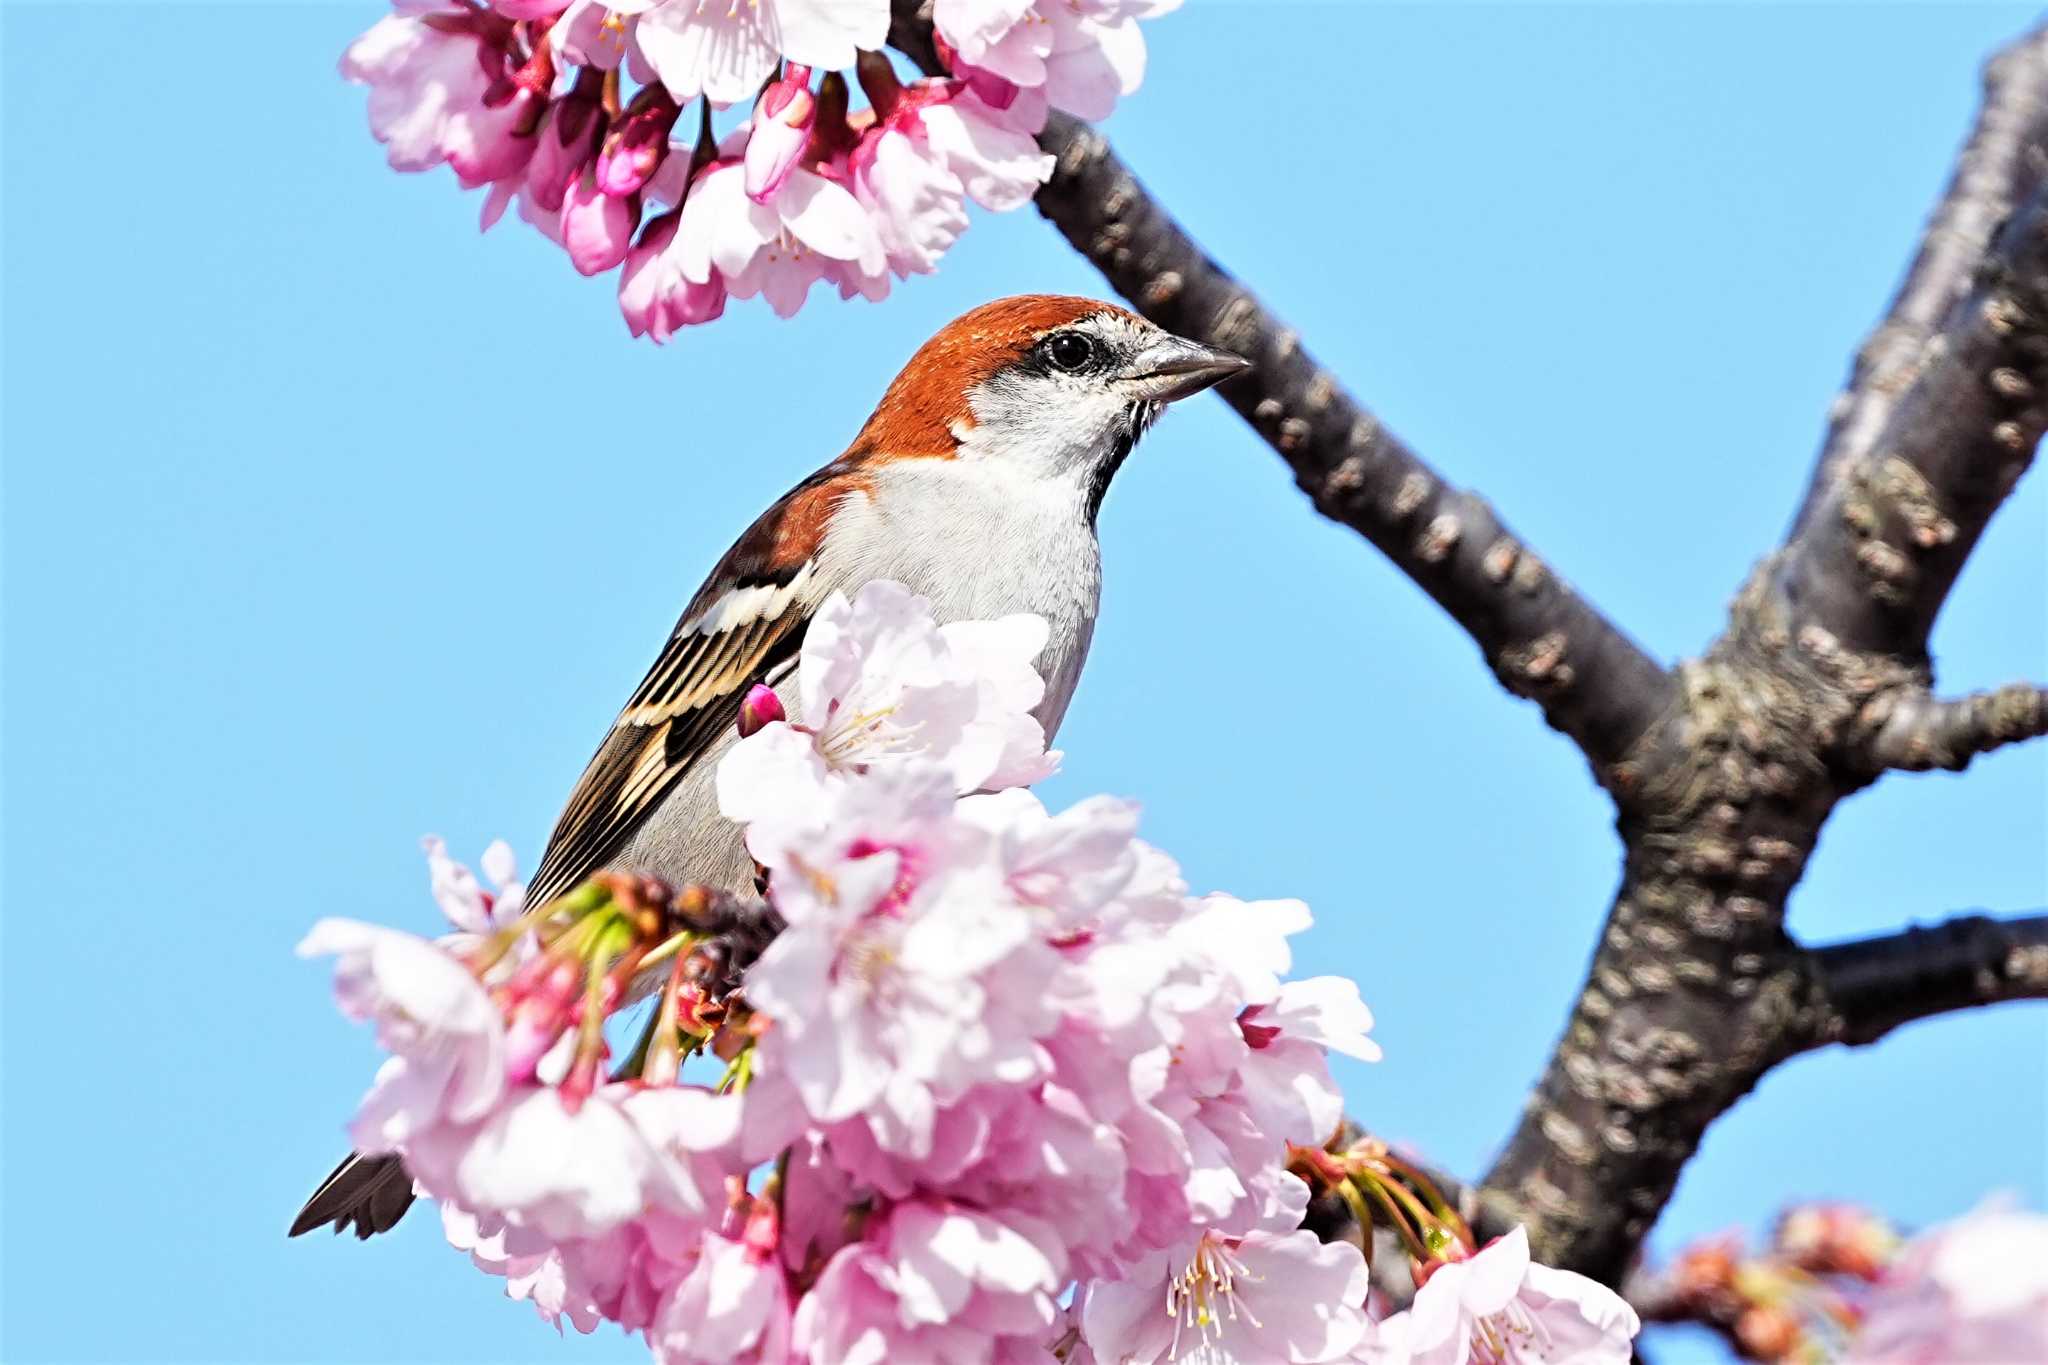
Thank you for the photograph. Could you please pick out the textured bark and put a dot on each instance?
(1697, 989)
(1724, 768)
(1871, 986)
(1914, 731)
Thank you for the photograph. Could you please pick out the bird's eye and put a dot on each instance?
(1070, 351)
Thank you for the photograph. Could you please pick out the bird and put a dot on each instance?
(976, 483)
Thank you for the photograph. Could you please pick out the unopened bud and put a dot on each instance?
(597, 228)
(637, 143)
(761, 707)
(1768, 1333)
(781, 131)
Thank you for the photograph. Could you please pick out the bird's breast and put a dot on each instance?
(979, 544)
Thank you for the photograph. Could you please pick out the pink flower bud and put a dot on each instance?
(782, 129)
(566, 145)
(529, 9)
(597, 228)
(762, 707)
(638, 142)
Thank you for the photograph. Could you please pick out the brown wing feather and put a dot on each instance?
(692, 694)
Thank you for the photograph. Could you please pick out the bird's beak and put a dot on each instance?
(1172, 368)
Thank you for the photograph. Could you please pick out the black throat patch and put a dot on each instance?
(1138, 418)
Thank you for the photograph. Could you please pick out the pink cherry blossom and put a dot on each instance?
(431, 1012)
(932, 146)
(580, 1171)
(724, 52)
(777, 249)
(468, 906)
(1501, 1308)
(655, 297)
(934, 1283)
(879, 682)
(1975, 1289)
(531, 1266)
(597, 34)
(529, 9)
(1084, 54)
(428, 83)
(733, 1308)
(899, 981)
(918, 206)
(995, 1054)
(1071, 866)
(1260, 1299)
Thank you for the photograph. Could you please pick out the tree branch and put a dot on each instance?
(1724, 769)
(1911, 729)
(1949, 396)
(2000, 167)
(1542, 639)
(1696, 990)
(1870, 986)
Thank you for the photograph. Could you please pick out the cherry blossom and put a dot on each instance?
(1975, 1289)
(428, 85)
(995, 1054)
(446, 1034)
(578, 1171)
(879, 681)
(1260, 1299)
(724, 52)
(733, 1308)
(463, 899)
(934, 1283)
(569, 109)
(779, 248)
(1084, 54)
(1498, 1307)
(657, 299)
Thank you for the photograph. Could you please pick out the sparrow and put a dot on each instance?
(975, 483)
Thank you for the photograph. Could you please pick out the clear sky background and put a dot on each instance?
(329, 523)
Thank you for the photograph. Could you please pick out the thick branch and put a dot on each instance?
(2000, 167)
(1725, 768)
(1870, 986)
(1543, 640)
(1911, 729)
(1942, 424)
(1696, 990)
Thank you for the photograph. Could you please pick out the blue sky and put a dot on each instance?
(329, 524)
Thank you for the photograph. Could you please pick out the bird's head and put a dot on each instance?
(1052, 386)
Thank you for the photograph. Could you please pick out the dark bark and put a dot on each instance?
(1696, 990)
(1723, 769)
(1914, 731)
(1542, 640)
(1945, 405)
(1871, 986)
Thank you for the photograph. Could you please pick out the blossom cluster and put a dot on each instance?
(528, 99)
(1839, 1283)
(999, 1089)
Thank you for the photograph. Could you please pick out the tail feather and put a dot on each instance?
(367, 1193)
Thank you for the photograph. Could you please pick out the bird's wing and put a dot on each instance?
(744, 626)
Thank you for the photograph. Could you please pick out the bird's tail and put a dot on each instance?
(368, 1193)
